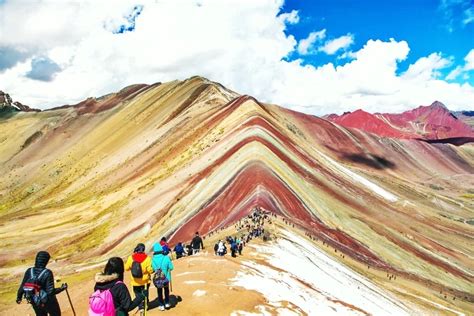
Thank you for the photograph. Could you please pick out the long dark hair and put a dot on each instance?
(114, 265)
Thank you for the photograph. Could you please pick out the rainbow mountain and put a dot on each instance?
(90, 180)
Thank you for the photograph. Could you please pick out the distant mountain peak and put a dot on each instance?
(430, 122)
(6, 103)
(438, 104)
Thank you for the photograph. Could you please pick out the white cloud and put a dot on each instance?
(307, 45)
(469, 59)
(456, 13)
(468, 16)
(453, 74)
(334, 45)
(426, 68)
(462, 70)
(243, 48)
(290, 18)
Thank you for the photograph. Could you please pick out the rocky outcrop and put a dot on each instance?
(7, 104)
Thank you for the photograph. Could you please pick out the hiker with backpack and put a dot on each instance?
(162, 266)
(179, 250)
(197, 243)
(140, 266)
(38, 287)
(111, 296)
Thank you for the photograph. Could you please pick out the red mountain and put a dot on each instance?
(433, 122)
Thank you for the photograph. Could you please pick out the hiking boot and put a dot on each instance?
(161, 308)
(167, 305)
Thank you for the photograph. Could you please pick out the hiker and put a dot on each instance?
(221, 249)
(140, 266)
(39, 279)
(189, 250)
(216, 247)
(240, 247)
(165, 246)
(197, 243)
(233, 248)
(162, 266)
(112, 280)
(179, 250)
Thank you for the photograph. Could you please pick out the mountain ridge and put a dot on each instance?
(432, 122)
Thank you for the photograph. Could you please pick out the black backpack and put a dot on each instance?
(137, 270)
(32, 289)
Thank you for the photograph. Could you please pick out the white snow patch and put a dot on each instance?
(199, 293)
(370, 185)
(261, 311)
(314, 282)
(190, 272)
(194, 282)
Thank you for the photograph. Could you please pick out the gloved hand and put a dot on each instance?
(63, 286)
(18, 300)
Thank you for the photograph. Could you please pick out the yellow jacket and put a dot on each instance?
(147, 269)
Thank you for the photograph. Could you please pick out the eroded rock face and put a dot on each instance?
(5, 100)
(6, 103)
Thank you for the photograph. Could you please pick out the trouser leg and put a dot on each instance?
(167, 294)
(53, 308)
(39, 311)
(160, 296)
(138, 291)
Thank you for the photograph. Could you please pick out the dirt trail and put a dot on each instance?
(201, 285)
(201, 282)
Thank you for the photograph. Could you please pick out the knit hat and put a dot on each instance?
(42, 259)
(139, 248)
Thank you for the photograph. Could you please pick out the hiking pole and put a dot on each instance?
(69, 299)
(146, 306)
(70, 302)
(171, 284)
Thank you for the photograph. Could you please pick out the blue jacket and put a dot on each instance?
(161, 261)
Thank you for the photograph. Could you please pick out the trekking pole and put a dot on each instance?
(70, 302)
(171, 284)
(146, 306)
(69, 299)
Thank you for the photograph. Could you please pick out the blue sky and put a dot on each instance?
(427, 25)
(317, 57)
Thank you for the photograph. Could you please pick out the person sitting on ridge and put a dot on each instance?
(140, 266)
(197, 243)
(40, 275)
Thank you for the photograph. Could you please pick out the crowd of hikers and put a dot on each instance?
(111, 296)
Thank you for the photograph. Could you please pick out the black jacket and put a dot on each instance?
(119, 291)
(47, 279)
(197, 242)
